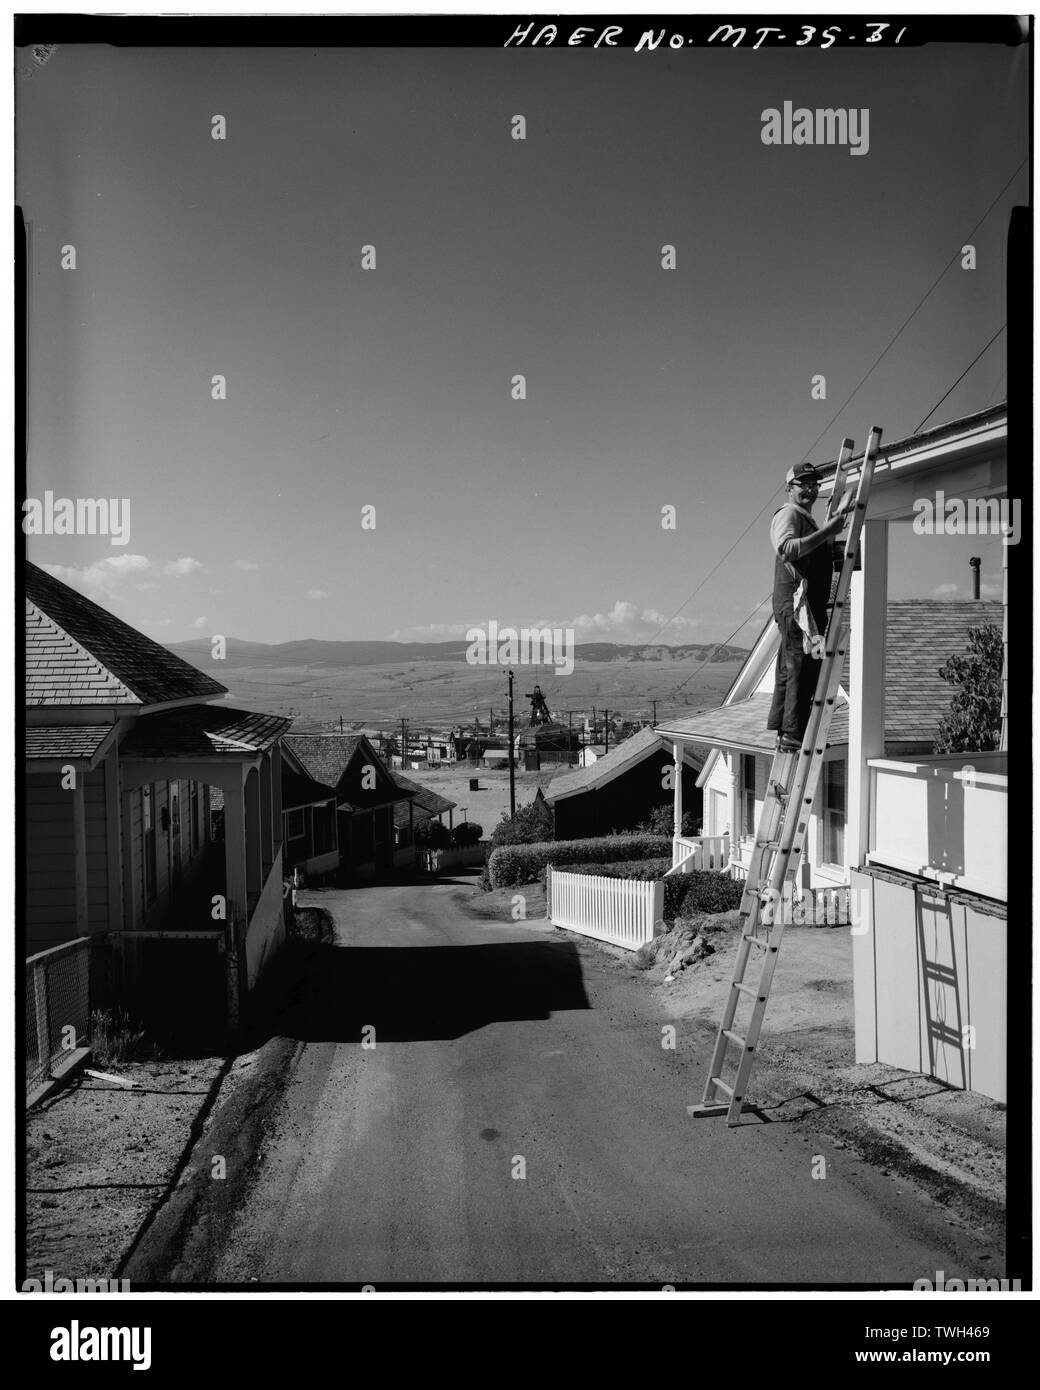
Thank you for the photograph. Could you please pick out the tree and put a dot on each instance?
(972, 723)
(466, 833)
(531, 825)
(662, 819)
(432, 834)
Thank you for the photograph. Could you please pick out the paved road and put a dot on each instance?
(519, 1121)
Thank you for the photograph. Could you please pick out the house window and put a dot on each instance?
(747, 795)
(148, 844)
(833, 813)
(295, 828)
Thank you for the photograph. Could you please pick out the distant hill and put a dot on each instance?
(310, 651)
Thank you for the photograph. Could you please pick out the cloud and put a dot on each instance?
(625, 622)
(247, 565)
(200, 622)
(176, 569)
(316, 594)
(99, 580)
(946, 591)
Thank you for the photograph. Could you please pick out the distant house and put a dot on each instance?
(310, 822)
(122, 750)
(621, 788)
(425, 804)
(365, 793)
(588, 755)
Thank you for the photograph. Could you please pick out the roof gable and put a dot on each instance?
(621, 758)
(123, 667)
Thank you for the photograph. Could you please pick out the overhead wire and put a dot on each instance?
(880, 357)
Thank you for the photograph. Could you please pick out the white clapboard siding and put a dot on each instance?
(623, 911)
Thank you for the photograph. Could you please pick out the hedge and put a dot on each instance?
(701, 890)
(512, 865)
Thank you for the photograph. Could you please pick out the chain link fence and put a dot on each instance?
(57, 1009)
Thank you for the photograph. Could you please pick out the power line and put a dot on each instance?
(728, 640)
(963, 374)
(884, 352)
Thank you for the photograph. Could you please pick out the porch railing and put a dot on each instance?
(625, 912)
(57, 1012)
(942, 818)
(699, 852)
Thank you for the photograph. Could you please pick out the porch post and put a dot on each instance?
(276, 797)
(235, 855)
(869, 599)
(266, 818)
(677, 761)
(79, 842)
(254, 835)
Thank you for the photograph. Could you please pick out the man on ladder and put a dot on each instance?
(812, 651)
(801, 590)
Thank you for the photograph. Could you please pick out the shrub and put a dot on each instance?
(466, 833)
(972, 723)
(662, 818)
(701, 890)
(509, 865)
(432, 834)
(531, 825)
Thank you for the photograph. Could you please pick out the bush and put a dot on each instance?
(645, 870)
(509, 865)
(432, 834)
(466, 833)
(116, 1037)
(531, 825)
(701, 890)
(662, 818)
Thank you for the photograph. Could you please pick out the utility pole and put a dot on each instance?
(512, 771)
(606, 731)
(654, 703)
(404, 743)
(570, 738)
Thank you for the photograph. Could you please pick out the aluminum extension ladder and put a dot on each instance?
(782, 824)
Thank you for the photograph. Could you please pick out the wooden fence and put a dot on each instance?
(626, 912)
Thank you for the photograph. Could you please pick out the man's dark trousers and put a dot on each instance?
(796, 677)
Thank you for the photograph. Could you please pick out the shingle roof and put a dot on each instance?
(424, 799)
(58, 671)
(303, 791)
(203, 731)
(621, 757)
(921, 634)
(325, 756)
(65, 740)
(84, 655)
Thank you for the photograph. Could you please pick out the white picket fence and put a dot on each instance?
(700, 852)
(626, 912)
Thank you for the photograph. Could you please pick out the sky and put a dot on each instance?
(392, 387)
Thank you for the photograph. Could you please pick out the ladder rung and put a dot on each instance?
(720, 1085)
(756, 941)
(734, 1037)
(746, 989)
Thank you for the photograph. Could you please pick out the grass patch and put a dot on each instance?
(116, 1037)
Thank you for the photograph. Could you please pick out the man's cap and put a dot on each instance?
(803, 472)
